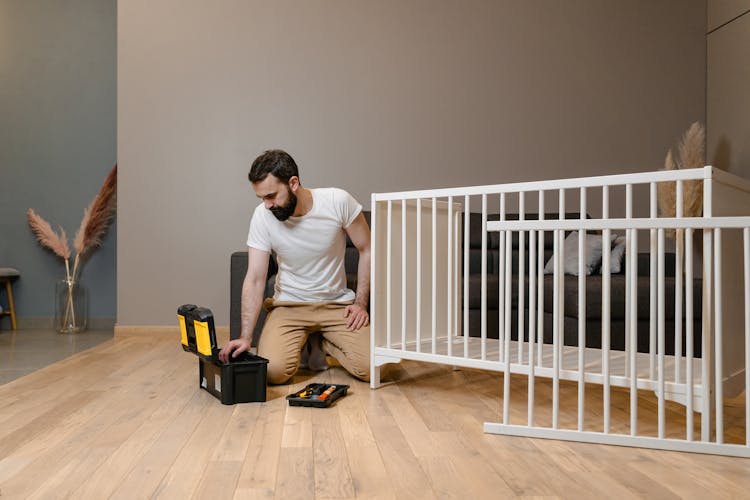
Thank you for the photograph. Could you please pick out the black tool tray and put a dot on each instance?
(317, 388)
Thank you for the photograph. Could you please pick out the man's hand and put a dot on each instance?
(235, 348)
(357, 317)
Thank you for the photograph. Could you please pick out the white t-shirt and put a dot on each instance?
(309, 249)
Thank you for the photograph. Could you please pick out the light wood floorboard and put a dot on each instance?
(127, 419)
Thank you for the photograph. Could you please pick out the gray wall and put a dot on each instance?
(371, 97)
(728, 87)
(57, 140)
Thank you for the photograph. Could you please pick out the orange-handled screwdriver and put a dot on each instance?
(327, 393)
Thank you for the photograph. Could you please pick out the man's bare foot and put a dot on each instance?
(313, 357)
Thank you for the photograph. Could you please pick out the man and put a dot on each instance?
(306, 230)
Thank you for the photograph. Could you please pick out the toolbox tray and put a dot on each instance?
(296, 400)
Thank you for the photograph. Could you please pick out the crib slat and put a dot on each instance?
(556, 330)
(532, 315)
(746, 260)
(501, 286)
(449, 273)
(418, 326)
(434, 276)
(632, 289)
(678, 286)
(707, 313)
(689, 333)
(466, 276)
(457, 266)
(507, 295)
(561, 284)
(540, 293)
(484, 278)
(506, 376)
(389, 259)
(521, 276)
(660, 333)
(374, 290)
(652, 287)
(606, 307)
(628, 250)
(581, 313)
(706, 335)
(718, 338)
(403, 274)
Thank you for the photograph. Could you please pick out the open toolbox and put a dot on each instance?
(318, 395)
(242, 380)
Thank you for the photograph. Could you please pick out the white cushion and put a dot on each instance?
(593, 254)
(615, 256)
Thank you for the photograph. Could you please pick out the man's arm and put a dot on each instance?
(359, 233)
(253, 288)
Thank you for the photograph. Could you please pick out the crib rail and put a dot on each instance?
(434, 282)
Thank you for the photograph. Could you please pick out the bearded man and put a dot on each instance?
(306, 231)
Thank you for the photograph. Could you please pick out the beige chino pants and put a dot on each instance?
(288, 325)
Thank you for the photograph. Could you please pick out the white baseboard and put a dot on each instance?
(45, 323)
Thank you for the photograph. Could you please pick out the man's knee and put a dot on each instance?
(363, 375)
(279, 373)
(355, 361)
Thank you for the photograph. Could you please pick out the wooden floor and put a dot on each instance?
(25, 351)
(126, 420)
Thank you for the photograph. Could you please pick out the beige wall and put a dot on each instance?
(728, 85)
(374, 96)
(721, 12)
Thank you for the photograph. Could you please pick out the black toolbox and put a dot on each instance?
(242, 380)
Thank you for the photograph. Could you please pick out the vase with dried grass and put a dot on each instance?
(71, 297)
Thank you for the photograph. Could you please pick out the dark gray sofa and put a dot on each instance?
(570, 306)
(238, 268)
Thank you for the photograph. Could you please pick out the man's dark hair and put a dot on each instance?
(276, 162)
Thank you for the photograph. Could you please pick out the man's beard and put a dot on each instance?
(283, 213)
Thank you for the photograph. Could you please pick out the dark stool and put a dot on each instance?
(8, 274)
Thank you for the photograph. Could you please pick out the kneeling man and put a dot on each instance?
(306, 230)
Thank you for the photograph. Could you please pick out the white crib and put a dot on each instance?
(420, 299)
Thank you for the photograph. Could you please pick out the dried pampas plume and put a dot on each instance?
(96, 218)
(690, 154)
(98, 215)
(47, 237)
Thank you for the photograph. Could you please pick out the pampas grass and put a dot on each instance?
(690, 154)
(47, 237)
(96, 218)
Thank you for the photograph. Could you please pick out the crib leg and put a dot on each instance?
(375, 363)
(374, 377)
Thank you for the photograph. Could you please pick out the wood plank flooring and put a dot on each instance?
(126, 419)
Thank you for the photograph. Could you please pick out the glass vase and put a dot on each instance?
(70, 306)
